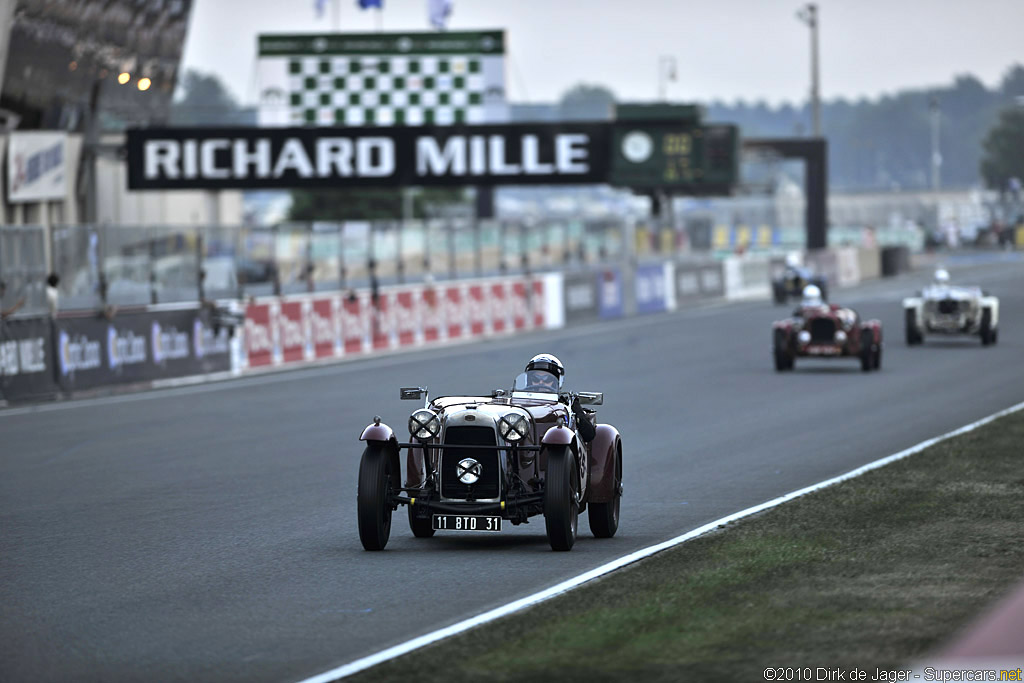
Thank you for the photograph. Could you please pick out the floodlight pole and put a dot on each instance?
(809, 15)
(933, 108)
(666, 72)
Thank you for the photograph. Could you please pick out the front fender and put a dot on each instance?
(556, 436)
(377, 432)
(604, 450)
(915, 304)
(991, 303)
(559, 435)
(876, 329)
(382, 435)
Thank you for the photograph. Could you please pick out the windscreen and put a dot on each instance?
(537, 382)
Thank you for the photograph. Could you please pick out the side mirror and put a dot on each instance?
(498, 393)
(412, 393)
(591, 398)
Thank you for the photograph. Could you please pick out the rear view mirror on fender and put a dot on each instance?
(411, 393)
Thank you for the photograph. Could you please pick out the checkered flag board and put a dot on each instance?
(407, 79)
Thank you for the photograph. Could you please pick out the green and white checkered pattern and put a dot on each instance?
(382, 79)
(385, 90)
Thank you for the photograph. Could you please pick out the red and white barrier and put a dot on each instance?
(309, 327)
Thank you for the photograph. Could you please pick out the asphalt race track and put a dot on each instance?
(208, 533)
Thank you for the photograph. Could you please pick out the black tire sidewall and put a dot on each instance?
(372, 506)
(604, 517)
(561, 511)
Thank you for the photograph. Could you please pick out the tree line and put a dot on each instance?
(881, 144)
(886, 143)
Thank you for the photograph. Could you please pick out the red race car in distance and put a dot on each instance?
(822, 330)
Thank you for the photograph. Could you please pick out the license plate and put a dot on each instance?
(467, 523)
(823, 351)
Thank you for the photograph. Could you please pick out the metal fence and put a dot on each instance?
(121, 266)
(102, 265)
(23, 269)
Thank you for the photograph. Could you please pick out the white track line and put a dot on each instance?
(498, 612)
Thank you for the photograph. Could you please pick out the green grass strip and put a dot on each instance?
(873, 572)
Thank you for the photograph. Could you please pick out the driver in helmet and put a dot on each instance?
(942, 276)
(811, 299)
(545, 373)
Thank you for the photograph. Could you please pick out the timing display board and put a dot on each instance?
(676, 157)
(382, 79)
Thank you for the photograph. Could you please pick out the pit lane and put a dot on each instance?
(208, 532)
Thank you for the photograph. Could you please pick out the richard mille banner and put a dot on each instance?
(220, 158)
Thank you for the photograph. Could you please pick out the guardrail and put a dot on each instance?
(43, 357)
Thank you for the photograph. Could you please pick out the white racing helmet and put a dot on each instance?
(547, 363)
(812, 296)
(942, 276)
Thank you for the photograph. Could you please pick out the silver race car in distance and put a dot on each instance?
(942, 308)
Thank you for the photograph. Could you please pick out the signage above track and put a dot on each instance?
(643, 155)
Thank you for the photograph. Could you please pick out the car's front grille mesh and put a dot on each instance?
(948, 306)
(823, 330)
(487, 486)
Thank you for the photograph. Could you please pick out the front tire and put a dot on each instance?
(604, 517)
(867, 350)
(561, 509)
(914, 335)
(780, 349)
(779, 293)
(374, 497)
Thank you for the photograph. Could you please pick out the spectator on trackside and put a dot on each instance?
(52, 293)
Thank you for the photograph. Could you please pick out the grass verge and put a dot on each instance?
(871, 573)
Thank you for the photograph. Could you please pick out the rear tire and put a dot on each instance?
(561, 511)
(373, 500)
(422, 527)
(604, 517)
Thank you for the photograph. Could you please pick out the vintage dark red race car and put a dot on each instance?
(827, 331)
(475, 462)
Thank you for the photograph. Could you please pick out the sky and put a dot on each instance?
(724, 50)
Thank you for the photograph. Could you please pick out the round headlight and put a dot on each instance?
(840, 337)
(424, 425)
(804, 337)
(469, 471)
(513, 427)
